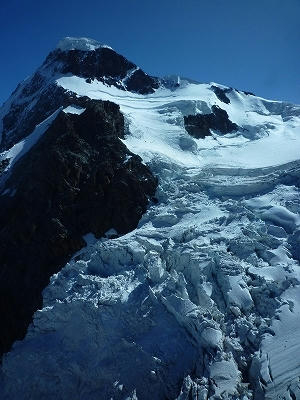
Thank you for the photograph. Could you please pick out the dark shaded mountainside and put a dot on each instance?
(78, 178)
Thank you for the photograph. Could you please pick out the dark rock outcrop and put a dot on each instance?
(3, 164)
(40, 96)
(199, 126)
(141, 83)
(103, 64)
(221, 94)
(78, 178)
(23, 116)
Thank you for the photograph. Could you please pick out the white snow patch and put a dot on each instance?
(83, 43)
(73, 109)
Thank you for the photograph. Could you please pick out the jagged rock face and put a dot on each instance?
(221, 94)
(22, 117)
(103, 64)
(78, 178)
(200, 125)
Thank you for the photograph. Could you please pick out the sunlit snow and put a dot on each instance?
(74, 110)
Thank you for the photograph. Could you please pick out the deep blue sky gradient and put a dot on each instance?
(251, 45)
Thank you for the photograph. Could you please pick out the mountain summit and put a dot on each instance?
(84, 44)
(81, 57)
(150, 235)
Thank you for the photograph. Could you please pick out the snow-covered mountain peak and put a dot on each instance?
(39, 95)
(82, 43)
(200, 299)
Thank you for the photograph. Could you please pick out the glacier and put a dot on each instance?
(202, 299)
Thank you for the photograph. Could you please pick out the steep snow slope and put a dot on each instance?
(202, 300)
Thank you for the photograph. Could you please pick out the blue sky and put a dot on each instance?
(248, 44)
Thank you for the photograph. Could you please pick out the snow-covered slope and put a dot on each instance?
(202, 300)
(157, 126)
